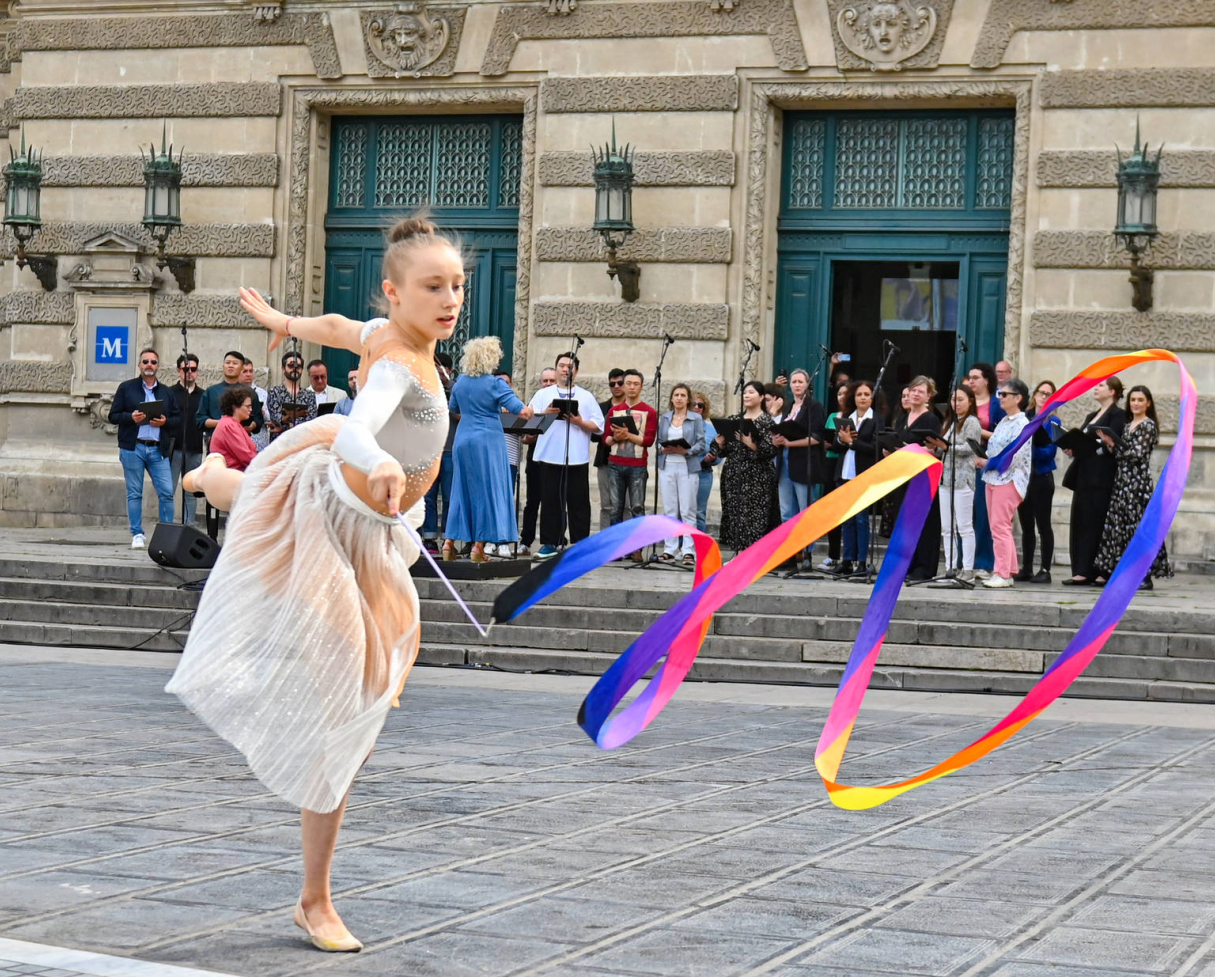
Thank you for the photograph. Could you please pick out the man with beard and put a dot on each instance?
(290, 403)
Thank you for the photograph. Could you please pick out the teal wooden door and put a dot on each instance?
(926, 191)
(466, 170)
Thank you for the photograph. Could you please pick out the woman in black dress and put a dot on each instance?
(748, 477)
(920, 423)
(1091, 479)
(1132, 487)
(856, 443)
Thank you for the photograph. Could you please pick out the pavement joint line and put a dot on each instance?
(911, 896)
(90, 756)
(447, 788)
(87, 963)
(474, 860)
(776, 875)
(685, 846)
(1195, 958)
(505, 809)
(1113, 873)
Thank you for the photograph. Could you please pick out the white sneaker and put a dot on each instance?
(982, 574)
(827, 564)
(491, 549)
(139, 542)
(995, 580)
(967, 576)
(523, 551)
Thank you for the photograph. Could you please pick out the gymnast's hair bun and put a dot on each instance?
(411, 227)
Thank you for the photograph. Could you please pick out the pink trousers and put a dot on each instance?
(1002, 502)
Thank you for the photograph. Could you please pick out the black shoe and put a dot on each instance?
(918, 575)
(1147, 584)
(1073, 582)
(844, 569)
(1042, 576)
(1024, 576)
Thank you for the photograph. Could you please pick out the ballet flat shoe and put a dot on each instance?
(347, 944)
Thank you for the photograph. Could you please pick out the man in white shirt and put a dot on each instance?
(318, 378)
(563, 453)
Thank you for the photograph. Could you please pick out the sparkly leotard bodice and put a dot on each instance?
(400, 414)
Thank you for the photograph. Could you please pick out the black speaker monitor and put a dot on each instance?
(183, 547)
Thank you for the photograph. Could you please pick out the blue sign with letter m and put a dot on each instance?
(113, 344)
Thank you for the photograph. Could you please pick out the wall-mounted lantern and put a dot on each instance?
(162, 209)
(1138, 183)
(23, 211)
(613, 175)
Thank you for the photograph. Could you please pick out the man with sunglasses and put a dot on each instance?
(145, 441)
(188, 395)
(603, 452)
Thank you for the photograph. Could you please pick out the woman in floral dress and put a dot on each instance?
(1132, 488)
(748, 478)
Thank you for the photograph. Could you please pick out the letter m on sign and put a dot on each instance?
(113, 344)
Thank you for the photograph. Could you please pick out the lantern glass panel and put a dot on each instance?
(601, 204)
(161, 202)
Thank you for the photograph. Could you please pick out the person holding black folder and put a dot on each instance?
(1132, 486)
(856, 442)
(290, 402)
(1091, 479)
(1005, 490)
(1035, 509)
(748, 477)
(681, 446)
(146, 413)
(799, 439)
(922, 423)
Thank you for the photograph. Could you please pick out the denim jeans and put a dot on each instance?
(794, 496)
(193, 460)
(702, 497)
(628, 481)
(856, 537)
(146, 457)
(442, 486)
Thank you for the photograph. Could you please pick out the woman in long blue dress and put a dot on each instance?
(482, 494)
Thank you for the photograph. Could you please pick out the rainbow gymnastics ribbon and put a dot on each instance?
(674, 640)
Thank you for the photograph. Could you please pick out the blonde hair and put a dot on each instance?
(923, 381)
(481, 356)
(407, 235)
(703, 398)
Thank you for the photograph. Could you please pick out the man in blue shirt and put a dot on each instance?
(145, 443)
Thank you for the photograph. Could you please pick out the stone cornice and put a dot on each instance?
(211, 240)
(640, 93)
(696, 168)
(207, 100)
(708, 245)
(198, 170)
(678, 18)
(1172, 250)
(622, 320)
(84, 33)
(1090, 168)
(1006, 17)
(1164, 87)
(1182, 332)
(37, 308)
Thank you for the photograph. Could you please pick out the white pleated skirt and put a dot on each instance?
(308, 625)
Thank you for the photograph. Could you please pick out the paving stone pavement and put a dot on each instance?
(488, 836)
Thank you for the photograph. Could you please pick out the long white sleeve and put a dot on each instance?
(387, 384)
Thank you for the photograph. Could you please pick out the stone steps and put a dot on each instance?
(795, 631)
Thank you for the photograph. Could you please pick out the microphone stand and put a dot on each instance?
(870, 573)
(185, 419)
(652, 559)
(752, 349)
(950, 580)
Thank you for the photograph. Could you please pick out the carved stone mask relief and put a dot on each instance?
(408, 40)
(886, 33)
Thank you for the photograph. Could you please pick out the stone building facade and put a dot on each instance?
(797, 162)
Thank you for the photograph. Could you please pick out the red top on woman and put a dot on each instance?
(233, 442)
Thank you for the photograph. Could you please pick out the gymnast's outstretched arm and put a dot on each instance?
(327, 330)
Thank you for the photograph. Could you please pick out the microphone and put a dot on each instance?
(824, 350)
(754, 345)
(892, 348)
(578, 341)
(668, 339)
(962, 345)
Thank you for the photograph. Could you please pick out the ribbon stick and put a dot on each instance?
(674, 640)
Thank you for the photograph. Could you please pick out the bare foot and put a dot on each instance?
(189, 480)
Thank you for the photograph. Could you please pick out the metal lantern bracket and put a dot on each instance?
(22, 212)
(613, 178)
(162, 209)
(629, 274)
(1138, 184)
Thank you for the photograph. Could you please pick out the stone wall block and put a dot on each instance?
(198, 170)
(612, 320)
(707, 168)
(678, 18)
(1099, 169)
(707, 245)
(216, 311)
(209, 100)
(83, 33)
(215, 240)
(1006, 17)
(1100, 249)
(28, 306)
(641, 93)
(1165, 87)
(1092, 329)
(32, 376)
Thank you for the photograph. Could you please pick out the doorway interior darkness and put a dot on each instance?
(878, 206)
